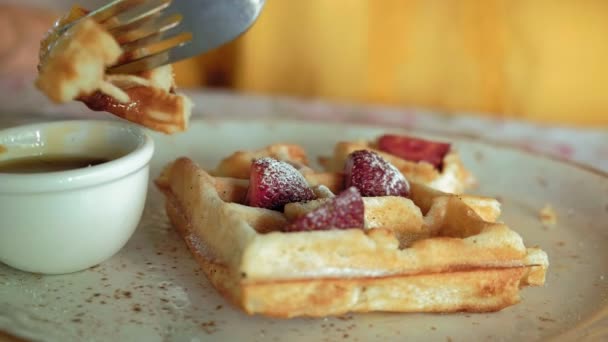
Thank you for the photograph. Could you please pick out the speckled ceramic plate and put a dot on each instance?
(154, 291)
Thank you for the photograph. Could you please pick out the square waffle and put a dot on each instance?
(73, 67)
(428, 252)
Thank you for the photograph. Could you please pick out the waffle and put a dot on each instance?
(73, 67)
(237, 164)
(431, 252)
(451, 177)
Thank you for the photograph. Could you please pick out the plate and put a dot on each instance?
(152, 290)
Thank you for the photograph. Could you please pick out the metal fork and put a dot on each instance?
(153, 33)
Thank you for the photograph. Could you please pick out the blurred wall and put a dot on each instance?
(543, 60)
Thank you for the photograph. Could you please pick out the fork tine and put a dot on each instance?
(151, 57)
(142, 42)
(104, 13)
(131, 39)
(149, 8)
(109, 10)
(142, 64)
(121, 29)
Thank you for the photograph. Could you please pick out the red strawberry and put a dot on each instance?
(374, 176)
(341, 212)
(414, 149)
(273, 183)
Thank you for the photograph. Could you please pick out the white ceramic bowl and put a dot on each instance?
(67, 221)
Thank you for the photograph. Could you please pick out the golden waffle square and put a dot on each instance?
(431, 252)
(73, 67)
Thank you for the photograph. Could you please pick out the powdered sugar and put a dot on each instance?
(278, 172)
(321, 191)
(374, 176)
(197, 245)
(394, 182)
(274, 183)
(341, 212)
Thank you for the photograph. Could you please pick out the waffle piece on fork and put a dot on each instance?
(73, 66)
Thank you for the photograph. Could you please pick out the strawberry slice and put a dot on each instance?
(414, 149)
(273, 183)
(341, 212)
(374, 176)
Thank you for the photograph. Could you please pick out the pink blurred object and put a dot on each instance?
(21, 29)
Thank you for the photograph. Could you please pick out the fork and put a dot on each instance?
(153, 33)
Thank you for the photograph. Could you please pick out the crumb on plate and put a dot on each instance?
(547, 216)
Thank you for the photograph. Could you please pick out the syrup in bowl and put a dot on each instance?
(48, 163)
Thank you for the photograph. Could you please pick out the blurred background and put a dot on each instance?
(542, 60)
